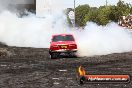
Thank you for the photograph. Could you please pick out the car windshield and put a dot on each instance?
(63, 38)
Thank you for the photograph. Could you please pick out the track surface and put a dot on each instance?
(31, 68)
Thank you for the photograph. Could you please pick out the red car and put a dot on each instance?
(62, 44)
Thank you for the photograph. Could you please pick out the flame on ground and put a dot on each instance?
(81, 71)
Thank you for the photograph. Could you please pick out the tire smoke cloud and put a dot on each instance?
(102, 40)
(14, 5)
(31, 31)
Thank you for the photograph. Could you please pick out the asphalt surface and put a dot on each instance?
(32, 68)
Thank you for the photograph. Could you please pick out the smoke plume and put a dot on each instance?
(14, 5)
(102, 40)
(31, 31)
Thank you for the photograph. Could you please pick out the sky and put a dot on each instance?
(92, 3)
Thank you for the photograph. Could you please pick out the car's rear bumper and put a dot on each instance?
(63, 51)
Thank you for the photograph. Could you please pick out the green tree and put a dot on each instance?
(131, 10)
(103, 15)
(123, 8)
(114, 14)
(91, 15)
(81, 11)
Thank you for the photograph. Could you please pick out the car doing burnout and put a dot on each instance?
(62, 44)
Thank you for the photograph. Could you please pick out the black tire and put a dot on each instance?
(54, 55)
(73, 54)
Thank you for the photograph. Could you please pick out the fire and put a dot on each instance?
(81, 71)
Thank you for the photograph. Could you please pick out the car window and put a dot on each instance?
(63, 38)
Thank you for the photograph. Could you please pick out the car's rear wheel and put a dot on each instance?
(73, 54)
(54, 55)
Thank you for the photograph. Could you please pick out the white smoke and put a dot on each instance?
(31, 31)
(101, 40)
(14, 5)
(4, 5)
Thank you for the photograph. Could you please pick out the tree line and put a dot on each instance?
(101, 15)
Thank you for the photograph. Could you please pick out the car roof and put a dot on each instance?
(60, 34)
